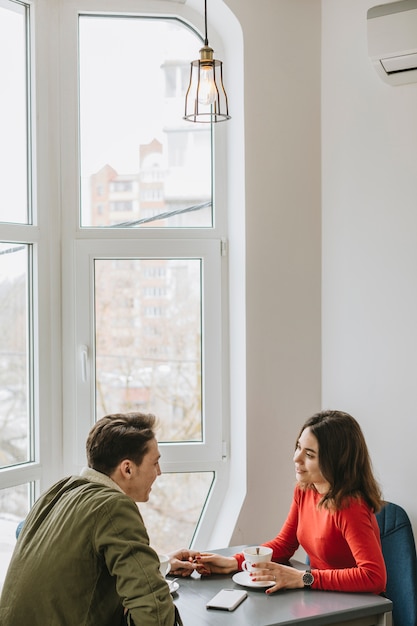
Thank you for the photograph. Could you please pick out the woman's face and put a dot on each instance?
(306, 459)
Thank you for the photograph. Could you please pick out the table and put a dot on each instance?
(306, 607)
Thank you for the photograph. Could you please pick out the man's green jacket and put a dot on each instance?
(82, 558)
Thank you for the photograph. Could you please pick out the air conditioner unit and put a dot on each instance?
(392, 41)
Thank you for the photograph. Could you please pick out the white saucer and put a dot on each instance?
(173, 586)
(243, 578)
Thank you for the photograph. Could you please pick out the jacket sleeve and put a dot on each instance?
(121, 539)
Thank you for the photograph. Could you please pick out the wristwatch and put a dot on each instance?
(308, 579)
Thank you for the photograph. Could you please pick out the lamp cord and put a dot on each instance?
(205, 23)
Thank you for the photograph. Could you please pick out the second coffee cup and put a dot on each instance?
(164, 564)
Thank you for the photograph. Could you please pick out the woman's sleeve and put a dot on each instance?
(285, 543)
(357, 526)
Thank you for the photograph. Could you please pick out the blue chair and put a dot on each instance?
(399, 550)
(19, 528)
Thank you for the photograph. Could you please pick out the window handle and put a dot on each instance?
(84, 363)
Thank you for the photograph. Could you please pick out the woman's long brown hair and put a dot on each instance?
(344, 460)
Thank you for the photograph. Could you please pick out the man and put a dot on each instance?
(83, 555)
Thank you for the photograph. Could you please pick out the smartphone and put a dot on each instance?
(227, 599)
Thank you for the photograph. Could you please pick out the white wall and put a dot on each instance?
(364, 163)
(283, 233)
(370, 248)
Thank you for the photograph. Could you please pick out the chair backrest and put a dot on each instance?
(399, 550)
(19, 528)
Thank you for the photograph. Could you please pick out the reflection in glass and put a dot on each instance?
(13, 114)
(148, 341)
(174, 508)
(14, 357)
(14, 506)
(141, 163)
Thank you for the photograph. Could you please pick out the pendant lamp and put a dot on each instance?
(206, 98)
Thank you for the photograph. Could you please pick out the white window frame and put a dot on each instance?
(27, 234)
(43, 235)
(81, 245)
(176, 456)
(55, 236)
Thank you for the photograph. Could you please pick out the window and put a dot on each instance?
(15, 503)
(16, 393)
(148, 354)
(17, 279)
(15, 191)
(121, 186)
(121, 205)
(149, 283)
(138, 127)
(16, 355)
(116, 191)
(163, 371)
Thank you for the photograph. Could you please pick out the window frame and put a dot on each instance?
(27, 234)
(178, 456)
(54, 233)
(80, 243)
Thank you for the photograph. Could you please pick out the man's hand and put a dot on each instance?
(183, 562)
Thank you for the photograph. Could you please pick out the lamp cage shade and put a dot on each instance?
(206, 103)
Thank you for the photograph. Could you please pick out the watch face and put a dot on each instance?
(308, 579)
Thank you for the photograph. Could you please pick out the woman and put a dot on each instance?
(332, 515)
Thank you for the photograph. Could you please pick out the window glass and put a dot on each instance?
(14, 506)
(141, 163)
(148, 307)
(15, 440)
(175, 507)
(148, 341)
(14, 107)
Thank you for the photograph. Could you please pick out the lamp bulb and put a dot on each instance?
(207, 91)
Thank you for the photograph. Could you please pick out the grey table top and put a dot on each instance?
(287, 607)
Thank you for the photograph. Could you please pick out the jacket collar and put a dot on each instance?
(97, 477)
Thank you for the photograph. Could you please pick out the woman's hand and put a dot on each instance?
(284, 576)
(209, 563)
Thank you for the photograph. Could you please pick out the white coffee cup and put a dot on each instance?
(164, 564)
(255, 554)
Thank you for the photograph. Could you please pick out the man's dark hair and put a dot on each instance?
(119, 436)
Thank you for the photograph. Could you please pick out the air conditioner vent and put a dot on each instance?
(403, 63)
(392, 41)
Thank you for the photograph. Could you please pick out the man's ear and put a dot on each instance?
(126, 468)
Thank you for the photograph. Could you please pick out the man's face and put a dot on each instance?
(144, 475)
